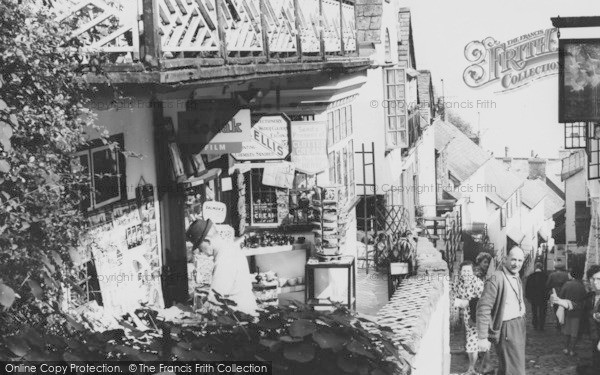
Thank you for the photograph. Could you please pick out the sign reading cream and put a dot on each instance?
(309, 146)
(231, 136)
(215, 211)
(269, 140)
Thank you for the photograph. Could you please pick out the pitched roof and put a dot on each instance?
(464, 156)
(520, 166)
(554, 203)
(533, 192)
(502, 184)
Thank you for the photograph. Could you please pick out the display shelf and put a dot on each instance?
(291, 289)
(248, 251)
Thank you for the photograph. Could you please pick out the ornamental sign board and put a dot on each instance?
(309, 146)
(270, 140)
(231, 136)
(213, 128)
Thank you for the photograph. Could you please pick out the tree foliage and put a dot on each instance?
(43, 121)
(462, 125)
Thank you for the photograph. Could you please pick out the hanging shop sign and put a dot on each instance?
(215, 211)
(279, 175)
(213, 129)
(309, 146)
(579, 80)
(269, 140)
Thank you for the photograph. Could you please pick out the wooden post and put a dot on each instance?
(342, 49)
(172, 205)
(321, 32)
(263, 27)
(152, 39)
(221, 22)
(298, 33)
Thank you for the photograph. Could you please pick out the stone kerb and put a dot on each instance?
(415, 303)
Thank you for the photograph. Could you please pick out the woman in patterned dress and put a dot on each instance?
(467, 288)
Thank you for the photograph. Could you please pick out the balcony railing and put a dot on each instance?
(213, 31)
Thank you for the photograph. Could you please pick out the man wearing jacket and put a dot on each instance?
(535, 292)
(500, 315)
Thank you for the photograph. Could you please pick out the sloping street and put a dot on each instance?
(544, 350)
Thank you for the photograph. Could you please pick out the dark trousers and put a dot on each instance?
(511, 348)
(539, 314)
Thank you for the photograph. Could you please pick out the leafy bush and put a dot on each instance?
(43, 121)
(296, 339)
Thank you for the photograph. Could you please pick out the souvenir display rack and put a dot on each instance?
(329, 229)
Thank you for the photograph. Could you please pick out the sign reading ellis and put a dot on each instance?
(514, 63)
(269, 140)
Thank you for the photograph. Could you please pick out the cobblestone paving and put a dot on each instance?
(543, 351)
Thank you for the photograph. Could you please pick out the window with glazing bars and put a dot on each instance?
(395, 108)
(593, 151)
(575, 135)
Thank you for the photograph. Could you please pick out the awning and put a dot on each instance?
(515, 234)
(544, 236)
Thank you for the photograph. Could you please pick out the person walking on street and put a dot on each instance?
(593, 306)
(537, 295)
(482, 265)
(467, 291)
(556, 280)
(500, 315)
(572, 297)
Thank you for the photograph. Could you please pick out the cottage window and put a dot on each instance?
(106, 169)
(395, 108)
(593, 150)
(575, 135)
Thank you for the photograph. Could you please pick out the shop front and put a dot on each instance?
(271, 171)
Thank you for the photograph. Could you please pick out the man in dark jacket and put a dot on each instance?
(556, 280)
(536, 294)
(500, 315)
(593, 308)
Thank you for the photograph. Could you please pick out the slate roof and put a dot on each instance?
(533, 192)
(503, 184)
(464, 156)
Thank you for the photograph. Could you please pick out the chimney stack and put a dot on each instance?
(506, 151)
(537, 169)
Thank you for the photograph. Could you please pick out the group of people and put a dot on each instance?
(493, 306)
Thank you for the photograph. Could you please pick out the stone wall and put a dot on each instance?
(368, 21)
(418, 314)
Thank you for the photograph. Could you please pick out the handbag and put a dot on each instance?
(560, 314)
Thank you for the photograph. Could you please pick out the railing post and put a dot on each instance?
(298, 32)
(152, 40)
(221, 21)
(321, 31)
(342, 49)
(263, 27)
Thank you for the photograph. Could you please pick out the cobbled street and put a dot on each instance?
(543, 351)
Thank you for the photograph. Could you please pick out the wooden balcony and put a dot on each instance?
(161, 36)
